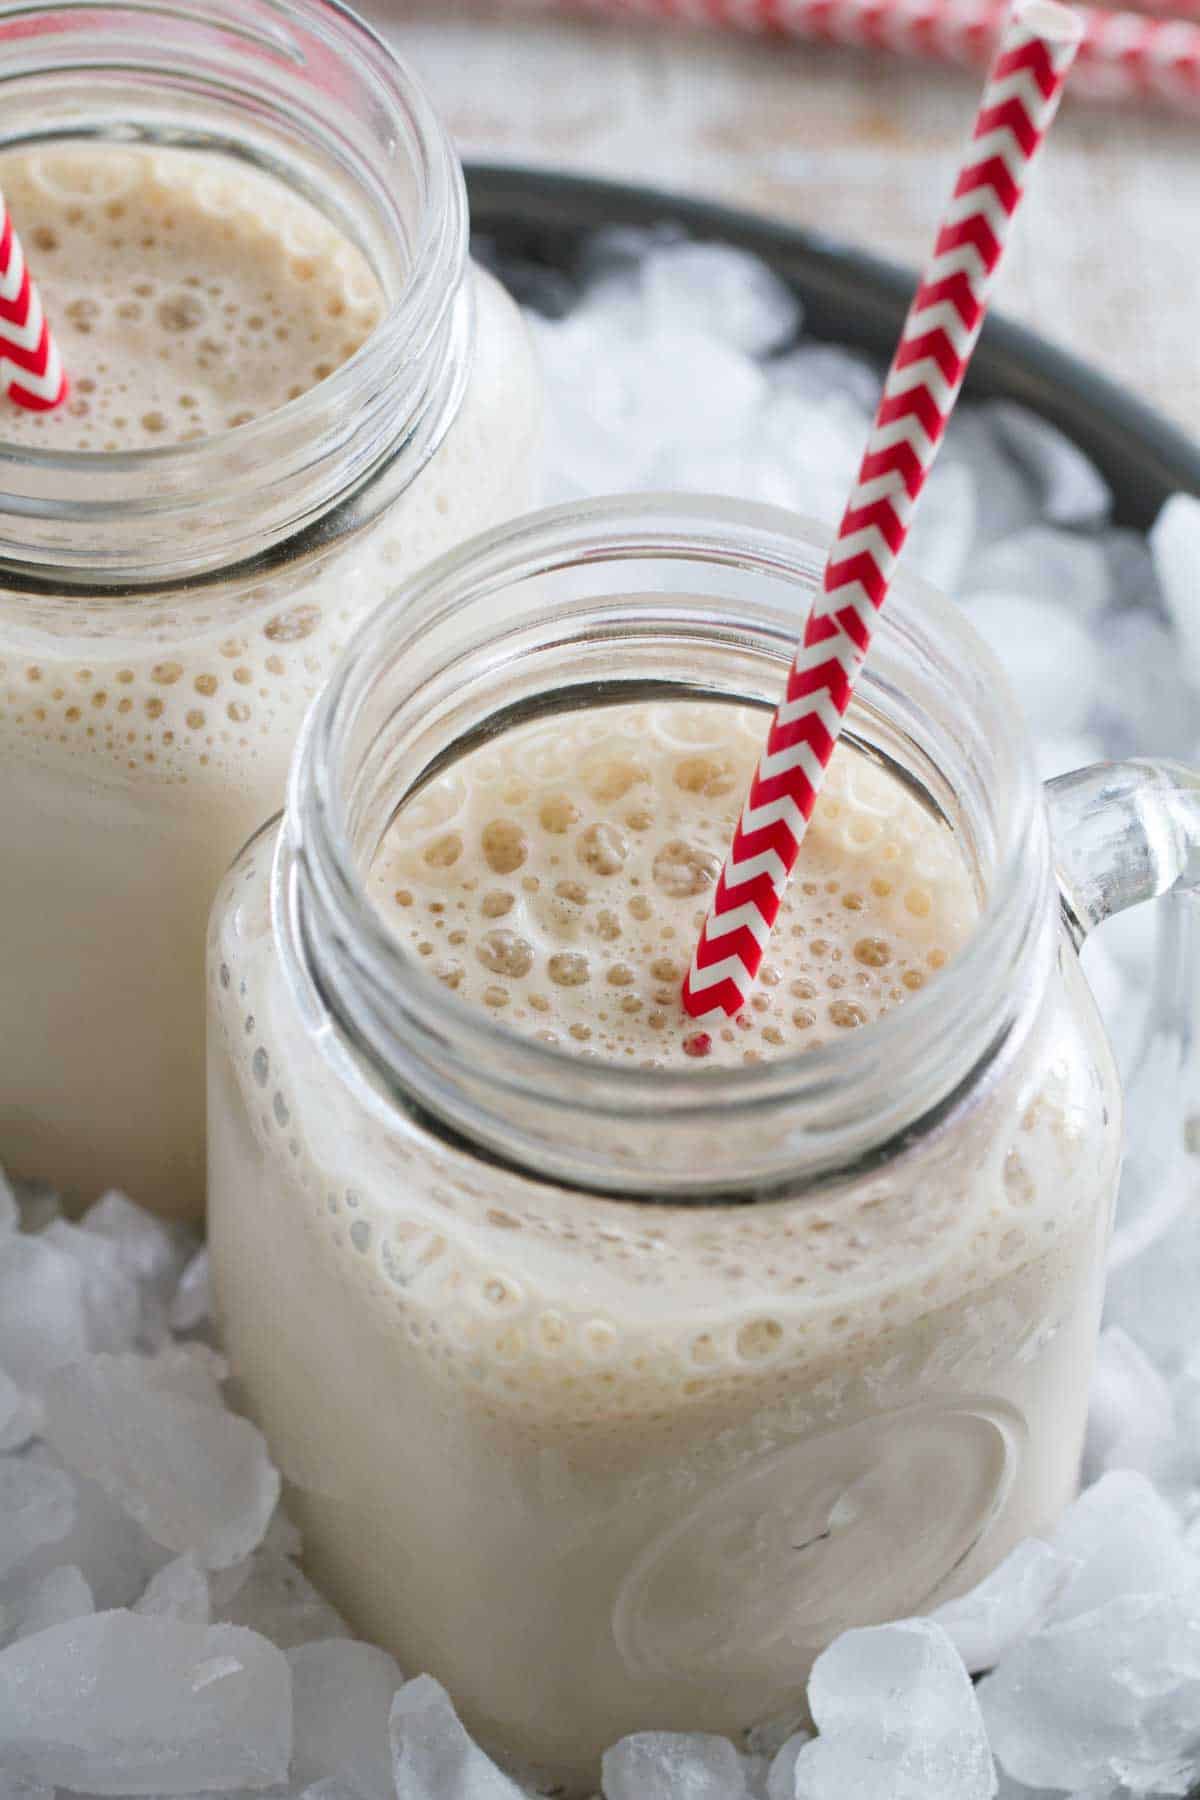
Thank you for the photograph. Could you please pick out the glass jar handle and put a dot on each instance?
(1124, 833)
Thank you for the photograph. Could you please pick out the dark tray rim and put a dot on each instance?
(856, 297)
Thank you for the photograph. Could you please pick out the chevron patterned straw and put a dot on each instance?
(943, 324)
(31, 371)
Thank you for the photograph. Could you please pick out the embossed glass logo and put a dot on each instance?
(846, 1528)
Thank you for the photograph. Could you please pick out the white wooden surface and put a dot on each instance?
(1106, 258)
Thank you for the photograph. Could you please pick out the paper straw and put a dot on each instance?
(1123, 55)
(31, 371)
(922, 385)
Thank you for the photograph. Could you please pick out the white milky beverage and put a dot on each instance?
(560, 880)
(143, 741)
(600, 1464)
(188, 294)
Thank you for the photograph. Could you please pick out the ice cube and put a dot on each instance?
(1009, 499)
(577, 464)
(1006, 1604)
(1008, 1789)
(282, 1537)
(37, 1506)
(1147, 682)
(179, 1590)
(1059, 567)
(12, 1787)
(1175, 545)
(1111, 1695)
(18, 1415)
(432, 1756)
(743, 469)
(617, 393)
(1130, 1417)
(669, 1765)
(769, 1735)
(1151, 1294)
(720, 293)
(816, 445)
(1133, 579)
(816, 373)
(612, 260)
(193, 1370)
(270, 1594)
(52, 1599)
(113, 1552)
(43, 1315)
(593, 379)
(1038, 645)
(1184, 1455)
(121, 1704)
(755, 1770)
(111, 1300)
(152, 1251)
(1154, 1250)
(711, 391)
(1131, 936)
(154, 1248)
(781, 1776)
(792, 455)
(897, 1720)
(196, 1477)
(190, 1305)
(342, 1695)
(1124, 1539)
(1072, 489)
(942, 538)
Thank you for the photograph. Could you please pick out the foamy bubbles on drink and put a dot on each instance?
(558, 879)
(213, 703)
(189, 294)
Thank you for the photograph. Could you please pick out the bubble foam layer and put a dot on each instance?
(188, 294)
(559, 877)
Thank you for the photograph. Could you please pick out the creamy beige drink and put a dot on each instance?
(604, 1466)
(559, 879)
(192, 296)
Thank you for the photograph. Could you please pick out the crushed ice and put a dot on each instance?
(157, 1635)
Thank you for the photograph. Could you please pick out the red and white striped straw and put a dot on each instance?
(940, 332)
(31, 371)
(1122, 56)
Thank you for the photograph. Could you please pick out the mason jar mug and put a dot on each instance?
(289, 388)
(608, 1393)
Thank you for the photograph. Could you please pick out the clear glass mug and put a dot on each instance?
(610, 1396)
(166, 615)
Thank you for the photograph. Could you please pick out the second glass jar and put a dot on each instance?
(166, 614)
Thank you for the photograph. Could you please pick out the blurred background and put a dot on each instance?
(857, 144)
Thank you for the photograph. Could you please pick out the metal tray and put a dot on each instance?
(532, 227)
